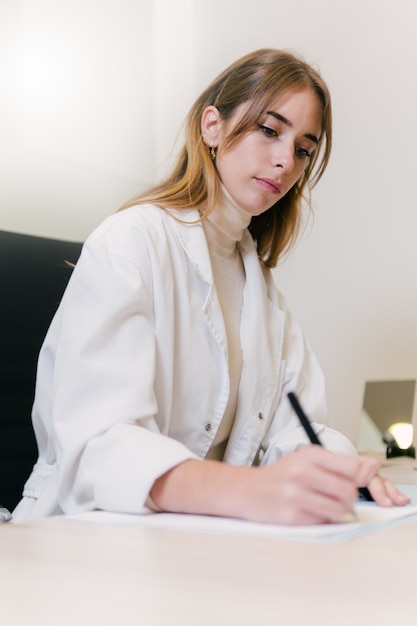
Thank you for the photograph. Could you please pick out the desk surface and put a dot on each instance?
(62, 572)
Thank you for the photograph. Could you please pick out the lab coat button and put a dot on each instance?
(260, 415)
(207, 427)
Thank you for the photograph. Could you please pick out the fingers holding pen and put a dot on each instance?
(333, 477)
(319, 486)
(385, 493)
(382, 490)
(367, 468)
(309, 486)
(368, 479)
(366, 474)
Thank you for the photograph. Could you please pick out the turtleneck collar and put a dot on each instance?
(225, 225)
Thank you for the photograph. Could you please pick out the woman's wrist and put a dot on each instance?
(202, 487)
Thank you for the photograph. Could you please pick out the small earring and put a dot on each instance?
(213, 152)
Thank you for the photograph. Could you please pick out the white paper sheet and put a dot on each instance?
(369, 518)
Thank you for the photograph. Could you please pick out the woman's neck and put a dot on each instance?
(226, 224)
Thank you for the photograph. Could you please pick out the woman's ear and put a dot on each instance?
(211, 126)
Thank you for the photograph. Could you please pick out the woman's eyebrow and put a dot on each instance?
(287, 122)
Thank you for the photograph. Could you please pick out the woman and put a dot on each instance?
(163, 378)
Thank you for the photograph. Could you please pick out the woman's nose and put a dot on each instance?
(284, 157)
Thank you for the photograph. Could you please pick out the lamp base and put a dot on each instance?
(394, 451)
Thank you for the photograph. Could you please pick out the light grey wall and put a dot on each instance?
(123, 74)
(76, 136)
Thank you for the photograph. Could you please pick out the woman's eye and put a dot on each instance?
(269, 132)
(303, 153)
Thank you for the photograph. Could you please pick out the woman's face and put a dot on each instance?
(262, 166)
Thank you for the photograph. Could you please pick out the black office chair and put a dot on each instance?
(33, 276)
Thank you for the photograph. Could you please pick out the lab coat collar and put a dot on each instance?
(193, 240)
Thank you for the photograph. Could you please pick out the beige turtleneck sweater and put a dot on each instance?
(224, 228)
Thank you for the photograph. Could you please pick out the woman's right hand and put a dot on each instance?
(309, 486)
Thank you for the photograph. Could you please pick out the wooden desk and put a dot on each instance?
(58, 572)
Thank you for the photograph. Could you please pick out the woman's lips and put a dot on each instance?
(270, 185)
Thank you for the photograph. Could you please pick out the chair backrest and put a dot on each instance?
(33, 277)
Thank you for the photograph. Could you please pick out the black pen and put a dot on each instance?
(363, 492)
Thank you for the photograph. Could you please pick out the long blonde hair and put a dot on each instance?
(255, 79)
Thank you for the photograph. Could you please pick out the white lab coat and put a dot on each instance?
(133, 373)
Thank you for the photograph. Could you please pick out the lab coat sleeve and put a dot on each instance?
(302, 375)
(109, 449)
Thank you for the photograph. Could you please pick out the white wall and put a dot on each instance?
(76, 111)
(125, 72)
